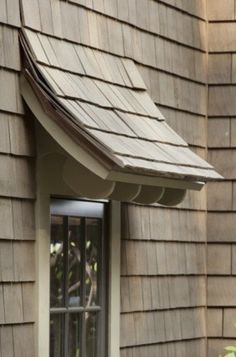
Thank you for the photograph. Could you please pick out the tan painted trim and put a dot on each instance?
(45, 189)
(114, 293)
(85, 182)
(154, 181)
(172, 197)
(42, 269)
(43, 276)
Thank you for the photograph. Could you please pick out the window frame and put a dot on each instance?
(44, 195)
(85, 210)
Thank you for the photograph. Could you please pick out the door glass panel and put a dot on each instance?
(57, 261)
(93, 241)
(74, 335)
(91, 334)
(56, 335)
(74, 261)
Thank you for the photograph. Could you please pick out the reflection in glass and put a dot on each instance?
(91, 334)
(74, 335)
(74, 262)
(56, 335)
(76, 272)
(93, 239)
(56, 262)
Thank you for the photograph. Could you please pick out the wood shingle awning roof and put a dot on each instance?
(101, 102)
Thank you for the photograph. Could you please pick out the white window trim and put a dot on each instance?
(43, 272)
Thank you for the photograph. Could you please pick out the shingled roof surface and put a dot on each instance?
(105, 97)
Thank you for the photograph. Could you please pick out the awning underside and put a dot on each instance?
(104, 100)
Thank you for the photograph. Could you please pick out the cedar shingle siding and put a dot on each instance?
(17, 191)
(221, 223)
(165, 259)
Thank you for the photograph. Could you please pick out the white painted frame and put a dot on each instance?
(44, 192)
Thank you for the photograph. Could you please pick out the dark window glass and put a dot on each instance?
(74, 260)
(75, 334)
(91, 334)
(77, 288)
(93, 247)
(57, 261)
(56, 335)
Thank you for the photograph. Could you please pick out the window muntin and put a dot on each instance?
(77, 273)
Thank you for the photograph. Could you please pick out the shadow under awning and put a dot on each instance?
(96, 106)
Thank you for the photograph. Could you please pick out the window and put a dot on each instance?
(77, 279)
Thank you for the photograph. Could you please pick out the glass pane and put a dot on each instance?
(93, 243)
(74, 262)
(91, 334)
(74, 335)
(56, 335)
(57, 262)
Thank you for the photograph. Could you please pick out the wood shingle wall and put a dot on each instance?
(163, 283)
(163, 276)
(221, 196)
(164, 257)
(17, 195)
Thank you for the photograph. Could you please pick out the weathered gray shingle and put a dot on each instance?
(105, 95)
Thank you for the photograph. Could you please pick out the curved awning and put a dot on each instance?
(97, 107)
